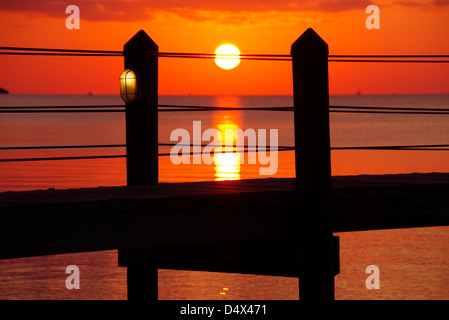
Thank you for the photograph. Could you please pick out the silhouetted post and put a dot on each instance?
(142, 115)
(142, 282)
(141, 149)
(313, 167)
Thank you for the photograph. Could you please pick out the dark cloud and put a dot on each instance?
(136, 10)
(423, 4)
(441, 3)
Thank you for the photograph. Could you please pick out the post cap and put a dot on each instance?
(141, 41)
(309, 41)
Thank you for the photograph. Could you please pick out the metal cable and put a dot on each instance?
(124, 145)
(265, 57)
(397, 148)
(388, 108)
(180, 108)
(65, 147)
(117, 156)
(61, 111)
(64, 107)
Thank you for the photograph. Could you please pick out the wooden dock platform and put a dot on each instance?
(45, 222)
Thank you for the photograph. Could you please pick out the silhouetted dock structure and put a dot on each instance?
(42, 222)
(262, 226)
(229, 226)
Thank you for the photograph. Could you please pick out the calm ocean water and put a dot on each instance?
(413, 263)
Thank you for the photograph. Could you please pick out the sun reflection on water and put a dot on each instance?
(227, 163)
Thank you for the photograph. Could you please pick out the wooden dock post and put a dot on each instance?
(142, 115)
(142, 165)
(313, 166)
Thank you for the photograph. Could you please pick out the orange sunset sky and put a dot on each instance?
(268, 26)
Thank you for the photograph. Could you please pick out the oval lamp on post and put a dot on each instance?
(129, 86)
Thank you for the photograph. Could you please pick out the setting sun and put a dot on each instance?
(227, 61)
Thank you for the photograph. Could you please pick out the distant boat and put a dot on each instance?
(89, 93)
(359, 93)
(3, 91)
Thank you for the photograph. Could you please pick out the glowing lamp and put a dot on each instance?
(129, 90)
